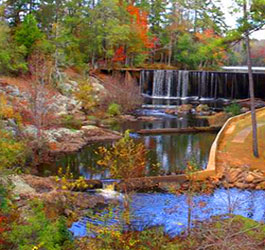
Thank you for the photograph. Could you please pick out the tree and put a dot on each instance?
(28, 33)
(251, 87)
(11, 56)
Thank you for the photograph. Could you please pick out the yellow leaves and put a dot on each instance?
(38, 246)
(85, 94)
(125, 159)
(7, 111)
(67, 181)
(12, 152)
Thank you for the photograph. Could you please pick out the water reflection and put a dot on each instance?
(174, 151)
(171, 151)
(171, 211)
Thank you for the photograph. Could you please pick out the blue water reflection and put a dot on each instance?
(170, 211)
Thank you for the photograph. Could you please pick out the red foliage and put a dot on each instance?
(119, 55)
(36, 109)
(206, 35)
(139, 20)
(2, 227)
(258, 53)
(139, 28)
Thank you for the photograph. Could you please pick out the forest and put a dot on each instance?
(185, 34)
(121, 128)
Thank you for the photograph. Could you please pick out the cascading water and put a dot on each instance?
(169, 79)
(173, 84)
(185, 83)
(159, 77)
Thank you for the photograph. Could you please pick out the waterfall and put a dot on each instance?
(171, 84)
(169, 78)
(158, 83)
(203, 84)
(212, 85)
(142, 81)
(185, 83)
(179, 83)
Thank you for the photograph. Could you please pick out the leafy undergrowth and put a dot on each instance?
(232, 232)
(31, 229)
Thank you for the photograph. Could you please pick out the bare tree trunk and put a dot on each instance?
(251, 91)
(170, 50)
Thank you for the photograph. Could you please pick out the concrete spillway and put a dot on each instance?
(171, 84)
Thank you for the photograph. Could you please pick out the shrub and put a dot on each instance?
(70, 122)
(39, 232)
(123, 92)
(85, 94)
(114, 109)
(12, 152)
(67, 182)
(125, 159)
(7, 111)
(109, 239)
(233, 109)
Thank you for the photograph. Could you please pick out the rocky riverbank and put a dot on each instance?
(57, 199)
(56, 117)
(242, 177)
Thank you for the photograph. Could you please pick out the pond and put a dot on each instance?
(172, 151)
(170, 211)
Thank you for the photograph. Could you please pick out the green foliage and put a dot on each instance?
(125, 159)
(12, 152)
(114, 109)
(28, 33)
(85, 94)
(11, 56)
(186, 52)
(233, 109)
(107, 33)
(68, 121)
(110, 239)
(40, 232)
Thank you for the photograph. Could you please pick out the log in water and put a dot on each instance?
(178, 130)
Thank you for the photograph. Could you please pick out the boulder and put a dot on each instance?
(218, 119)
(202, 108)
(244, 110)
(241, 185)
(233, 174)
(12, 90)
(97, 87)
(130, 118)
(30, 131)
(185, 108)
(171, 111)
(250, 178)
(21, 188)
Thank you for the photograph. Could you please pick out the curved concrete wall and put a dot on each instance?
(215, 146)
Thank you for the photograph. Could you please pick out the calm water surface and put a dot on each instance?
(172, 151)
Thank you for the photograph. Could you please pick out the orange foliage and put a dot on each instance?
(206, 35)
(139, 28)
(119, 55)
(140, 23)
(53, 146)
(208, 38)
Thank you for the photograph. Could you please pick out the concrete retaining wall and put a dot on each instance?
(215, 146)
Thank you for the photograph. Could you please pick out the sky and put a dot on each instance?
(231, 19)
